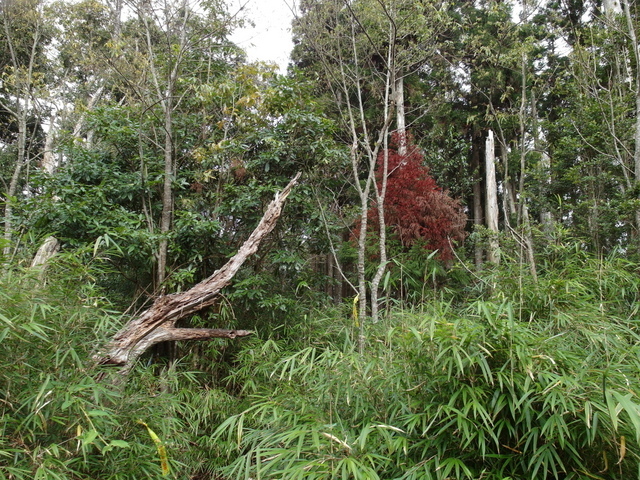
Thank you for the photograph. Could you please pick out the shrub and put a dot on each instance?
(472, 394)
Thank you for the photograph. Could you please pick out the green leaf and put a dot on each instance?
(632, 409)
(98, 413)
(89, 436)
(119, 444)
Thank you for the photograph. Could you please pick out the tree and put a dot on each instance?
(483, 83)
(372, 47)
(91, 60)
(417, 210)
(23, 67)
(178, 39)
(590, 123)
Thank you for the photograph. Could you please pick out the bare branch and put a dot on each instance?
(157, 323)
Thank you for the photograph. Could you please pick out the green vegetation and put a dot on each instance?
(424, 306)
(537, 381)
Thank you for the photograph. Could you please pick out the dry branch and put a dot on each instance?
(157, 323)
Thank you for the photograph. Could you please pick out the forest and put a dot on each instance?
(414, 255)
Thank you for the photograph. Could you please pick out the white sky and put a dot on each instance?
(270, 39)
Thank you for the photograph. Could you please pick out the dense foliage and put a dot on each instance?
(416, 209)
(530, 382)
(480, 327)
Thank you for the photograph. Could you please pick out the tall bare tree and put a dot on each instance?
(370, 48)
(23, 84)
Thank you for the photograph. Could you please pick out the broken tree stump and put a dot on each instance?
(47, 250)
(157, 323)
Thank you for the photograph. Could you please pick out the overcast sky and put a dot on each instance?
(270, 39)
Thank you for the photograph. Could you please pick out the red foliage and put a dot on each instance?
(416, 208)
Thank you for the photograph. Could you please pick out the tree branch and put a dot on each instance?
(157, 323)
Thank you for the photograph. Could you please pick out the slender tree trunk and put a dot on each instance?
(478, 217)
(636, 56)
(508, 196)
(165, 91)
(524, 211)
(400, 115)
(491, 209)
(167, 193)
(21, 115)
(528, 242)
(391, 95)
(362, 244)
(24, 81)
(546, 217)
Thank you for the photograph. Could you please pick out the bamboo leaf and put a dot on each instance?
(162, 451)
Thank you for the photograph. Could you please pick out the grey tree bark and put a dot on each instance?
(23, 80)
(491, 207)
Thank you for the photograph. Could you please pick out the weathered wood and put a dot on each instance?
(491, 209)
(157, 324)
(47, 250)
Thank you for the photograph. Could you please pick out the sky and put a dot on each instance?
(270, 39)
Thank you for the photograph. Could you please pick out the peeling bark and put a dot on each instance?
(157, 324)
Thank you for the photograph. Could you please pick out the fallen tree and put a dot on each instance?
(157, 323)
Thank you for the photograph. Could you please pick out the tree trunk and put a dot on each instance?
(391, 96)
(401, 116)
(167, 193)
(528, 242)
(636, 57)
(15, 178)
(48, 164)
(165, 89)
(524, 210)
(157, 324)
(47, 250)
(80, 123)
(508, 207)
(491, 209)
(478, 218)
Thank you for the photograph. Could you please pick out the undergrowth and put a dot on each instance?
(444, 394)
(522, 380)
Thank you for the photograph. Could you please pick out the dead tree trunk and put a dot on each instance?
(47, 250)
(157, 324)
(493, 252)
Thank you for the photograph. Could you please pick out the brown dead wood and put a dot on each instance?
(158, 322)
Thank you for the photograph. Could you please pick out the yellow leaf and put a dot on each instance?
(355, 310)
(623, 449)
(162, 451)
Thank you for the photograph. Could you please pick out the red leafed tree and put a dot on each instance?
(416, 208)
